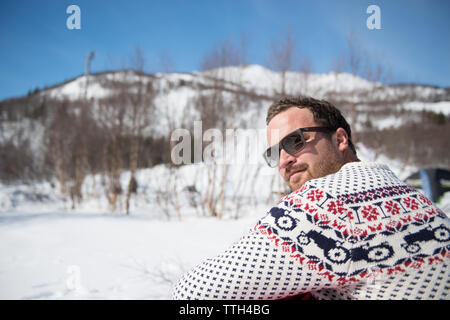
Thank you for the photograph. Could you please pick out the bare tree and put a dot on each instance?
(123, 116)
(306, 68)
(282, 57)
(377, 68)
(83, 125)
(60, 134)
(139, 99)
(67, 137)
(111, 115)
(170, 198)
(218, 109)
(337, 66)
(354, 64)
(362, 62)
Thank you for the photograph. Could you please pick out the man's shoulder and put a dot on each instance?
(353, 191)
(375, 204)
(354, 177)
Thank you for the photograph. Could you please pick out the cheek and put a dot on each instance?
(282, 173)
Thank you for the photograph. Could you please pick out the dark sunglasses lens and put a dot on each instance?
(271, 155)
(293, 143)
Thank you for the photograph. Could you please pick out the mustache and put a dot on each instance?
(298, 167)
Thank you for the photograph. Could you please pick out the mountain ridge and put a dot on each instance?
(314, 77)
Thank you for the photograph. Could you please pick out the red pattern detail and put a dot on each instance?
(392, 207)
(343, 281)
(322, 218)
(417, 265)
(298, 257)
(411, 203)
(425, 200)
(375, 228)
(337, 213)
(395, 270)
(370, 213)
(419, 216)
(393, 224)
(303, 188)
(336, 207)
(338, 225)
(406, 219)
(358, 232)
(315, 195)
(309, 208)
(275, 238)
(314, 265)
(371, 274)
(286, 247)
(327, 274)
(297, 202)
(431, 260)
(349, 215)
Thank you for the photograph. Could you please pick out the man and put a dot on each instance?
(348, 230)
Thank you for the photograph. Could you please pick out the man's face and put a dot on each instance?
(320, 156)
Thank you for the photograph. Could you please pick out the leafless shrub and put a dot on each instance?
(420, 143)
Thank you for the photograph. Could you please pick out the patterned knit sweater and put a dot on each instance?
(360, 233)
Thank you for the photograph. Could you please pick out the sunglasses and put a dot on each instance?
(293, 143)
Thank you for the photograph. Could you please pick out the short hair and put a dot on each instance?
(324, 113)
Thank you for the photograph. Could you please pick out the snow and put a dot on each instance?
(114, 257)
(257, 79)
(49, 251)
(438, 107)
(74, 89)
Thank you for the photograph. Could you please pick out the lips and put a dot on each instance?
(295, 172)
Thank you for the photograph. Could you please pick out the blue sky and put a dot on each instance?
(38, 50)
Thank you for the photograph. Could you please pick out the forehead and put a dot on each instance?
(288, 121)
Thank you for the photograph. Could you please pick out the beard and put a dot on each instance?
(328, 164)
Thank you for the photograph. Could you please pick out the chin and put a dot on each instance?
(299, 183)
(296, 185)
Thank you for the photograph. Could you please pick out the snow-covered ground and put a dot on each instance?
(437, 107)
(70, 255)
(49, 251)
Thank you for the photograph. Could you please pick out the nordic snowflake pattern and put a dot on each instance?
(358, 234)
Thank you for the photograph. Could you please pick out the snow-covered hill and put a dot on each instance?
(177, 96)
(257, 79)
(54, 248)
(177, 91)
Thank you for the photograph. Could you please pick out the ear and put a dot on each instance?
(341, 139)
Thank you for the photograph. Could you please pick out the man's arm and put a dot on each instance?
(264, 264)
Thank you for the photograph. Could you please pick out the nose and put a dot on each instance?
(286, 159)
